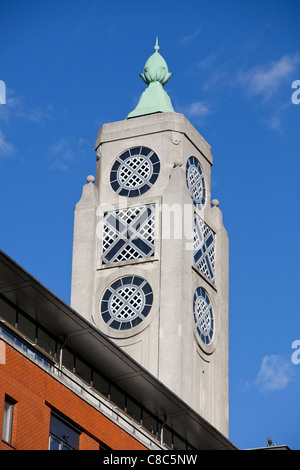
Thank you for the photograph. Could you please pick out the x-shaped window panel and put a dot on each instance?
(128, 234)
(204, 248)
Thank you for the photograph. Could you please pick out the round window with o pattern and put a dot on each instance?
(126, 302)
(203, 316)
(134, 172)
(195, 182)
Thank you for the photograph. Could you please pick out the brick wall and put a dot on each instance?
(35, 392)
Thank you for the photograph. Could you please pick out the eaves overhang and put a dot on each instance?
(28, 294)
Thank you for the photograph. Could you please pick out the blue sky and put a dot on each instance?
(70, 66)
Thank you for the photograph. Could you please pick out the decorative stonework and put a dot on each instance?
(195, 182)
(126, 302)
(134, 172)
(204, 248)
(203, 315)
(128, 234)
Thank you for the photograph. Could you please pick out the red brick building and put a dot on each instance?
(64, 385)
(37, 397)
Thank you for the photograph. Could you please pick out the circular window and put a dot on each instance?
(134, 172)
(126, 302)
(203, 315)
(195, 182)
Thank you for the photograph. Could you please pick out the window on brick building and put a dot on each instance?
(63, 435)
(8, 417)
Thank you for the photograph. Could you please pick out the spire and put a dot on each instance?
(154, 99)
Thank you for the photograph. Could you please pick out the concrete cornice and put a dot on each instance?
(151, 124)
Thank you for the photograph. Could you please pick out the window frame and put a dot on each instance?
(64, 424)
(8, 419)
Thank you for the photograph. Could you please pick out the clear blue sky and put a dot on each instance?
(70, 66)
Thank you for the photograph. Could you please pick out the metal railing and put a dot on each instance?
(88, 394)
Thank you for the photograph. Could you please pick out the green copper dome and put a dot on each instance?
(154, 99)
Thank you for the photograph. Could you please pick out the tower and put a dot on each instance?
(150, 251)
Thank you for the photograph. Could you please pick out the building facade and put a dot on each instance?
(40, 411)
(140, 358)
(150, 252)
(65, 385)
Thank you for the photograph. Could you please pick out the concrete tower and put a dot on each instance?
(150, 253)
